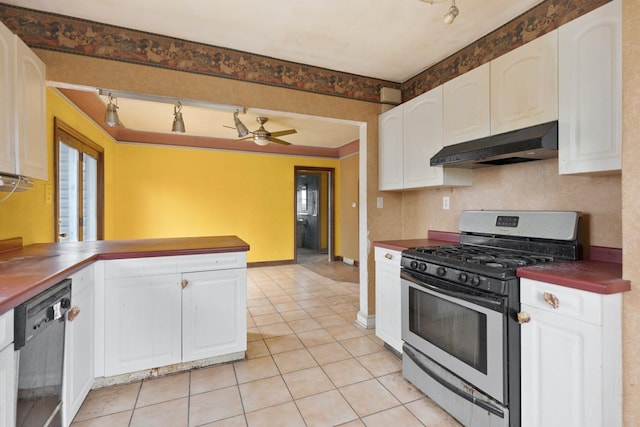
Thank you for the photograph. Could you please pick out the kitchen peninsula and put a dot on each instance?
(140, 307)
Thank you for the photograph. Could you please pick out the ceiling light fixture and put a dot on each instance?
(178, 123)
(240, 127)
(111, 114)
(452, 13)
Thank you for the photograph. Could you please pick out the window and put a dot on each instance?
(79, 186)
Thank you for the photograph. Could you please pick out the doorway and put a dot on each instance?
(314, 213)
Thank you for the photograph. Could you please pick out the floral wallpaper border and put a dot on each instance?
(73, 35)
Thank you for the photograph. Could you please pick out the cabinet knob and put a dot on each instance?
(551, 299)
(184, 283)
(523, 317)
(388, 256)
(73, 313)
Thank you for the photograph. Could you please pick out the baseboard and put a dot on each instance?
(366, 320)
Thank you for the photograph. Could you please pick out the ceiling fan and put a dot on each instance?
(261, 136)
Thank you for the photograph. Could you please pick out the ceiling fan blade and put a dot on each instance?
(246, 137)
(284, 132)
(278, 141)
(229, 127)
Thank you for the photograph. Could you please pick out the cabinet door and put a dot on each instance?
(467, 108)
(7, 386)
(142, 323)
(524, 85)
(590, 104)
(388, 298)
(214, 315)
(561, 371)
(31, 110)
(390, 150)
(7, 76)
(79, 354)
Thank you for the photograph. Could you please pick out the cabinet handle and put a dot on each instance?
(551, 299)
(184, 283)
(73, 313)
(523, 317)
(388, 256)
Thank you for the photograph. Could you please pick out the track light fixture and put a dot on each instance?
(178, 123)
(240, 127)
(111, 114)
(450, 16)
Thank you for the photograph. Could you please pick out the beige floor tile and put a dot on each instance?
(295, 315)
(368, 397)
(356, 423)
(255, 369)
(256, 349)
(402, 389)
(313, 303)
(165, 388)
(283, 415)
(264, 393)
(253, 334)
(329, 353)
(237, 421)
(344, 332)
(250, 322)
(214, 406)
(172, 413)
(306, 382)
(256, 302)
(268, 319)
(283, 343)
(109, 400)
(346, 372)
(275, 330)
(319, 310)
(304, 325)
(343, 308)
(295, 360)
(280, 299)
(212, 378)
(262, 310)
(325, 409)
(398, 416)
(287, 306)
(430, 414)
(331, 320)
(381, 363)
(120, 419)
(317, 337)
(360, 346)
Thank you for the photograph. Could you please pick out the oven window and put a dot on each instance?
(458, 330)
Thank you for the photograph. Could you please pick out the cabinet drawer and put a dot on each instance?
(6, 329)
(80, 280)
(388, 256)
(137, 267)
(574, 303)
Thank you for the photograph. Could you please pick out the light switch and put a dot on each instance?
(445, 203)
(354, 205)
(379, 202)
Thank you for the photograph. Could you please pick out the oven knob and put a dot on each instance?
(422, 266)
(65, 303)
(413, 265)
(475, 280)
(440, 271)
(462, 277)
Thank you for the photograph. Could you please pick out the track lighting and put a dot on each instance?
(178, 123)
(111, 115)
(452, 13)
(240, 127)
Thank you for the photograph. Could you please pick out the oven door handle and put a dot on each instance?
(490, 303)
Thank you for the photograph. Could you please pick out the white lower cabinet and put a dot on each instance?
(7, 371)
(184, 314)
(79, 354)
(388, 299)
(571, 357)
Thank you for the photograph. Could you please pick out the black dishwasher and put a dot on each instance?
(39, 326)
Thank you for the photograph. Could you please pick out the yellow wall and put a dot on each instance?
(171, 192)
(349, 167)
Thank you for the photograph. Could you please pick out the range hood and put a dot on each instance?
(523, 145)
(12, 183)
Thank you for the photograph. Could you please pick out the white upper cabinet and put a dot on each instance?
(467, 106)
(590, 104)
(390, 150)
(410, 135)
(23, 149)
(524, 85)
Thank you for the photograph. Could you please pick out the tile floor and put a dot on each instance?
(308, 364)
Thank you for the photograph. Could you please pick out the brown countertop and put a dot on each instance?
(27, 271)
(434, 238)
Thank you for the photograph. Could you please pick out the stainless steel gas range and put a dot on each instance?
(460, 307)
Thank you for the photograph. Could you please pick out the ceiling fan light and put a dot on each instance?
(451, 14)
(111, 114)
(260, 140)
(240, 127)
(178, 122)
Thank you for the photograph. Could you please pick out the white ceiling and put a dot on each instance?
(387, 39)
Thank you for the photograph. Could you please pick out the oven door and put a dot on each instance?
(463, 332)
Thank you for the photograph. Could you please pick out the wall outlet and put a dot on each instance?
(380, 202)
(48, 194)
(445, 203)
